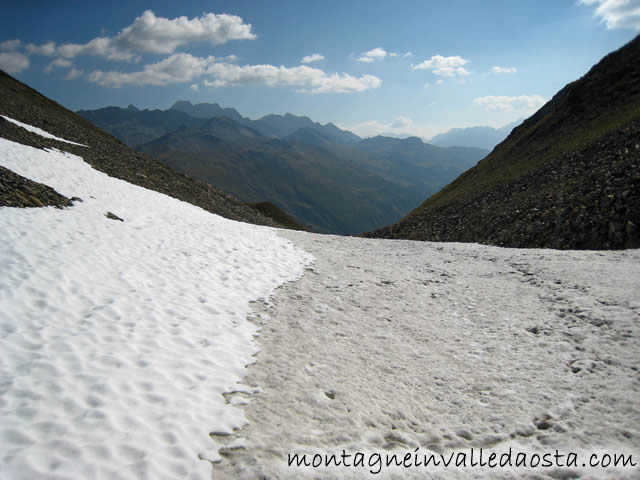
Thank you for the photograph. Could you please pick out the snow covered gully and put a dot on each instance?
(124, 347)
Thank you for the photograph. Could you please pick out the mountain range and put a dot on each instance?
(567, 177)
(481, 137)
(311, 171)
(105, 153)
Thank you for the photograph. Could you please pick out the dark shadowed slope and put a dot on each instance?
(135, 127)
(105, 153)
(326, 192)
(279, 215)
(568, 177)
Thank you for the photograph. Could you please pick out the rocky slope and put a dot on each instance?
(107, 154)
(18, 191)
(568, 177)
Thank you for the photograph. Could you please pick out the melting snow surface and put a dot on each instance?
(39, 131)
(400, 347)
(119, 339)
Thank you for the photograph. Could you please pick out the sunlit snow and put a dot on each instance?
(118, 339)
(39, 131)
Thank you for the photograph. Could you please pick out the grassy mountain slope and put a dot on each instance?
(283, 218)
(421, 168)
(326, 177)
(208, 110)
(107, 154)
(135, 127)
(326, 192)
(566, 178)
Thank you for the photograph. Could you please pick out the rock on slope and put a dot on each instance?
(568, 177)
(107, 154)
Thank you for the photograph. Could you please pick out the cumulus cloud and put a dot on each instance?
(58, 63)
(408, 54)
(151, 34)
(444, 66)
(401, 123)
(178, 68)
(372, 55)
(309, 80)
(73, 73)
(617, 13)
(13, 62)
(316, 57)
(195, 87)
(497, 69)
(218, 72)
(522, 103)
(10, 45)
(48, 49)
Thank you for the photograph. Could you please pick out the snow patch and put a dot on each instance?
(119, 339)
(40, 132)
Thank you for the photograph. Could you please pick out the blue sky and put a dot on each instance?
(405, 67)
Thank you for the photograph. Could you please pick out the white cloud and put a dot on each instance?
(439, 81)
(310, 80)
(151, 34)
(617, 13)
(73, 73)
(48, 49)
(497, 69)
(316, 57)
(13, 62)
(402, 55)
(444, 66)
(372, 55)
(195, 87)
(401, 122)
(58, 63)
(400, 127)
(178, 68)
(9, 45)
(426, 85)
(522, 103)
(183, 67)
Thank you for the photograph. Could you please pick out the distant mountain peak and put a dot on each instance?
(181, 103)
(133, 108)
(480, 136)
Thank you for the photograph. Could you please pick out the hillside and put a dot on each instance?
(326, 192)
(135, 127)
(427, 167)
(206, 111)
(566, 178)
(105, 153)
(311, 171)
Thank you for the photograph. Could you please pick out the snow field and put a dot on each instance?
(119, 339)
(39, 131)
(389, 346)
